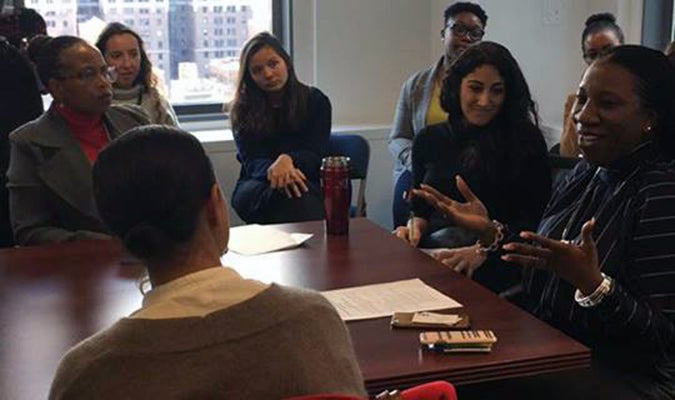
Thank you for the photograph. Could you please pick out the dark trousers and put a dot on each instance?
(401, 206)
(256, 202)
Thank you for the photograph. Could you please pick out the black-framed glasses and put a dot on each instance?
(460, 30)
(89, 74)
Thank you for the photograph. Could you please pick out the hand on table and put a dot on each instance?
(575, 263)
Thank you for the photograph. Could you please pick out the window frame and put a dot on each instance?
(281, 28)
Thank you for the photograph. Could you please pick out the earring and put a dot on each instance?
(648, 129)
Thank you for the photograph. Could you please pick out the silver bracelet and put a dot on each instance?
(494, 246)
(595, 298)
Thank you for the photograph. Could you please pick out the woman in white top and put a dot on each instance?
(136, 84)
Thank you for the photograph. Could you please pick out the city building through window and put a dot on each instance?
(195, 55)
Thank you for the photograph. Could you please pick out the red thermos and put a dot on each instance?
(336, 194)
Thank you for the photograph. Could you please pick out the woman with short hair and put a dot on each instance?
(600, 266)
(49, 175)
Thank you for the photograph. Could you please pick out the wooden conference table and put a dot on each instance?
(53, 296)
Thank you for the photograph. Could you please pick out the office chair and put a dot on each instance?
(437, 390)
(357, 149)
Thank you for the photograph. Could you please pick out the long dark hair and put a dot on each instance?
(150, 186)
(251, 112)
(518, 112)
(654, 85)
(145, 75)
(513, 135)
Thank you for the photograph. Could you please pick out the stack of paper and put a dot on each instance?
(255, 239)
(384, 299)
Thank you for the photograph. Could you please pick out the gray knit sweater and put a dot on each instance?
(283, 342)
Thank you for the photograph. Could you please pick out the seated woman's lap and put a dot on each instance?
(256, 202)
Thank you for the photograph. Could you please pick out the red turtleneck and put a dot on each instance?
(88, 131)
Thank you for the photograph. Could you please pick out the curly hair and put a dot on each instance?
(518, 111)
(145, 75)
(250, 111)
(465, 6)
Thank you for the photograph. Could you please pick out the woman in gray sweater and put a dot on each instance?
(203, 331)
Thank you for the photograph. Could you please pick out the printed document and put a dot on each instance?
(382, 300)
(250, 240)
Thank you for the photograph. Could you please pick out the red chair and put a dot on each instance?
(438, 390)
(325, 396)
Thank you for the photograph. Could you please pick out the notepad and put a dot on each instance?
(256, 239)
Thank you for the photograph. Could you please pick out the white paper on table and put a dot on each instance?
(384, 299)
(255, 239)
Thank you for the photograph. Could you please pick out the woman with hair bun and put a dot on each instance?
(601, 33)
(203, 331)
(124, 49)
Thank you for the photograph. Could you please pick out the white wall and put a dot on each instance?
(548, 51)
(359, 52)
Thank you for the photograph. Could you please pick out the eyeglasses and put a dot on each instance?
(88, 75)
(459, 30)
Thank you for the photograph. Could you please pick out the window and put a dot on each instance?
(186, 38)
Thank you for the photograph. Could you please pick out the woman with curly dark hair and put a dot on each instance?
(281, 128)
(491, 139)
(136, 84)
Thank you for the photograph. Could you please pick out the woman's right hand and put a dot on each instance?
(282, 174)
(413, 231)
(471, 215)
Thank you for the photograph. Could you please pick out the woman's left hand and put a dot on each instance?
(577, 264)
(464, 260)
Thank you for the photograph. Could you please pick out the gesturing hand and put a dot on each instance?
(577, 264)
(471, 215)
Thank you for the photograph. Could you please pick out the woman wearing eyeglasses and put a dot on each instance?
(600, 34)
(419, 102)
(50, 158)
(136, 84)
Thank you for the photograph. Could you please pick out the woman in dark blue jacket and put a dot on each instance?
(281, 128)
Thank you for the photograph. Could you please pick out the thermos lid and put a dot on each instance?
(335, 162)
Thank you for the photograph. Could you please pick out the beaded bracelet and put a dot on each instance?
(494, 246)
(595, 298)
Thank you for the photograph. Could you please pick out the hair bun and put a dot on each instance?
(146, 241)
(601, 17)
